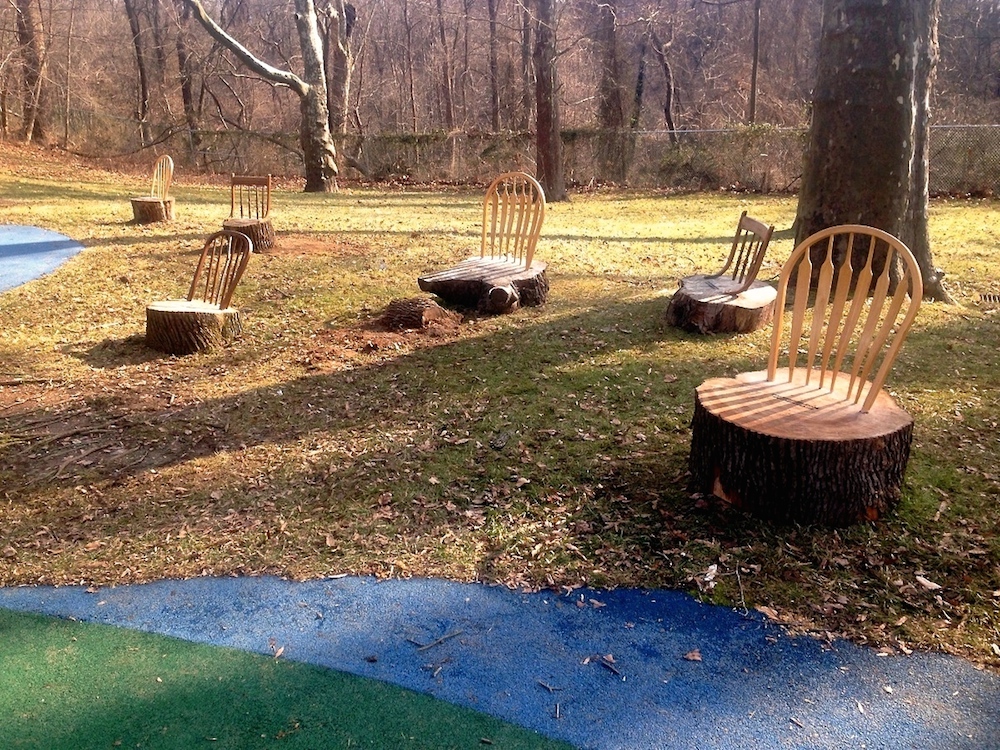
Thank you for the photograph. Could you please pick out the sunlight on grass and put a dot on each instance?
(541, 448)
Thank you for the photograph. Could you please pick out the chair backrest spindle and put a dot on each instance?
(513, 212)
(747, 253)
(866, 289)
(221, 265)
(249, 196)
(163, 175)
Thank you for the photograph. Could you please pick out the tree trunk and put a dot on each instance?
(915, 231)
(142, 100)
(186, 72)
(612, 144)
(859, 152)
(318, 152)
(660, 50)
(491, 7)
(548, 143)
(337, 29)
(32, 51)
(447, 84)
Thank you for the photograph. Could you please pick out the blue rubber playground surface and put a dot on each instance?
(598, 669)
(29, 252)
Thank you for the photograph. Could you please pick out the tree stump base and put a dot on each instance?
(706, 304)
(260, 232)
(489, 285)
(189, 326)
(147, 209)
(417, 313)
(792, 452)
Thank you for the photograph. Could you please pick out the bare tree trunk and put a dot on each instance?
(860, 143)
(660, 50)
(612, 143)
(69, 68)
(914, 230)
(32, 51)
(752, 103)
(491, 7)
(337, 28)
(548, 142)
(142, 101)
(447, 84)
(527, 92)
(409, 64)
(187, 73)
(318, 152)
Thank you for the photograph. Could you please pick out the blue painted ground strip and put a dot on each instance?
(541, 660)
(29, 252)
(600, 669)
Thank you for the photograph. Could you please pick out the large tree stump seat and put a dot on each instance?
(489, 284)
(732, 300)
(147, 209)
(260, 232)
(795, 452)
(817, 440)
(721, 304)
(182, 326)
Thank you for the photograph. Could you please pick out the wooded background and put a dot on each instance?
(651, 92)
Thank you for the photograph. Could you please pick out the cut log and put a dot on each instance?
(148, 209)
(790, 452)
(493, 286)
(417, 313)
(189, 326)
(260, 232)
(704, 304)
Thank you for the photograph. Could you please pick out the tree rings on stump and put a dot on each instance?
(147, 209)
(189, 326)
(706, 304)
(489, 285)
(792, 452)
(260, 232)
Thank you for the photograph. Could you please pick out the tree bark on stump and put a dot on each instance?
(493, 286)
(707, 305)
(416, 313)
(147, 209)
(189, 326)
(790, 452)
(260, 232)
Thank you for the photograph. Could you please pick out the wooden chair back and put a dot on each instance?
(163, 175)
(867, 291)
(249, 197)
(220, 267)
(513, 212)
(747, 254)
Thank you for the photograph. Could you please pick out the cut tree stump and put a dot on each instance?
(260, 232)
(416, 313)
(791, 452)
(148, 209)
(189, 326)
(489, 285)
(705, 304)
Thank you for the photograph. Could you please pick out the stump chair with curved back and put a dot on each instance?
(505, 274)
(158, 205)
(731, 300)
(818, 439)
(250, 208)
(204, 319)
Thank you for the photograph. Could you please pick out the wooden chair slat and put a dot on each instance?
(163, 175)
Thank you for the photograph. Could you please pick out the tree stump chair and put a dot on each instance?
(204, 320)
(249, 206)
(732, 300)
(818, 440)
(505, 275)
(158, 205)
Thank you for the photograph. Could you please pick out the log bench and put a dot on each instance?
(505, 275)
(818, 440)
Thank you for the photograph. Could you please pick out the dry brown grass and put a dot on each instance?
(543, 448)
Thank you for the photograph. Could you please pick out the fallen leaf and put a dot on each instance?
(887, 688)
(929, 585)
(693, 655)
(596, 604)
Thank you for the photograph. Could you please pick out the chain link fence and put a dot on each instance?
(965, 159)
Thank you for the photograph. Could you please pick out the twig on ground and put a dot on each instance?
(437, 641)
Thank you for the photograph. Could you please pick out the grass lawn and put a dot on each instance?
(544, 448)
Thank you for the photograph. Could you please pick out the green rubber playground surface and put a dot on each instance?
(66, 684)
